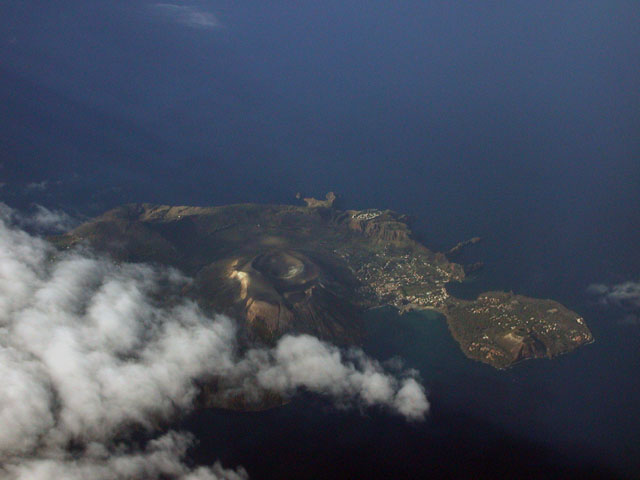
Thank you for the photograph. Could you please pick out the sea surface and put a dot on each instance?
(570, 417)
(575, 416)
(514, 121)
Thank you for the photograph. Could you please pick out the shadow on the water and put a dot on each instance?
(310, 439)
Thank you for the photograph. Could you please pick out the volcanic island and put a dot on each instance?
(315, 268)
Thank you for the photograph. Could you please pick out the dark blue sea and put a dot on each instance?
(570, 417)
(518, 122)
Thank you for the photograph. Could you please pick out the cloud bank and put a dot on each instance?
(91, 350)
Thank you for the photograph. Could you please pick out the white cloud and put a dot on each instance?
(88, 350)
(350, 378)
(188, 15)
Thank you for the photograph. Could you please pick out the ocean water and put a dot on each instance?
(574, 416)
(541, 419)
(563, 404)
(517, 122)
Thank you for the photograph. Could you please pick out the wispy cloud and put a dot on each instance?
(37, 186)
(88, 354)
(40, 219)
(624, 295)
(189, 15)
(161, 458)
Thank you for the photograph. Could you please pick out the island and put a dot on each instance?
(314, 268)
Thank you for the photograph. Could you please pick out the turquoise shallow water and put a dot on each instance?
(423, 341)
(421, 338)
